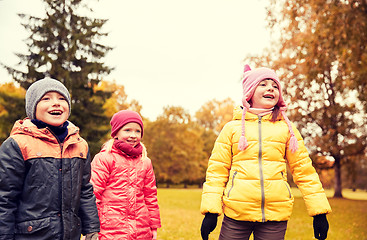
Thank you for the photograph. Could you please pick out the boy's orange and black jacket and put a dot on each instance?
(45, 191)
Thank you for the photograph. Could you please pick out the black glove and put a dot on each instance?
(320, 226)
(208, 225)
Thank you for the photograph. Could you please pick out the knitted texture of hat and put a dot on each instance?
(124, 117)
(38, 89)
(251, 79)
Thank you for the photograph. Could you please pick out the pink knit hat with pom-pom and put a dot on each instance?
(251, 79)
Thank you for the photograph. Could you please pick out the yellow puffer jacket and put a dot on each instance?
(251, 185)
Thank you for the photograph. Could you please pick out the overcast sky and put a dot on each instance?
(166, 52)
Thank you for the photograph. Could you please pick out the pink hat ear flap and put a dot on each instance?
(245, 104)
(242, 143)
(293, 143)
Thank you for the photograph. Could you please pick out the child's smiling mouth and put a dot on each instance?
(55, 112)
(269, 96)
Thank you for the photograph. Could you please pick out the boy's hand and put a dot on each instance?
(208, 225)
(91, 236)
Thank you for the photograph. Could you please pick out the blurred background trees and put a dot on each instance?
(177, 143)
(214, 114)
(318, 50)
(12, 107)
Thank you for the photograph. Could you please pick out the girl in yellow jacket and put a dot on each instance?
(246, 176)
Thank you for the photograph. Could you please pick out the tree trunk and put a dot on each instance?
(338, 179)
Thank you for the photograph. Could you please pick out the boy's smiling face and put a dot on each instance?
(52, 109)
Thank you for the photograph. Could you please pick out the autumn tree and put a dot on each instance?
(64, 45)
(211, 117)
(215, 113)
(12, 107)
(116, 102)
(175, 146)
(320, 54)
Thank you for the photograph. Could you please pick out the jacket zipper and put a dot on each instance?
(261, 173)
(234, 175)
(61, 144)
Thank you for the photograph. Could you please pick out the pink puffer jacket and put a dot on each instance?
(126, 194)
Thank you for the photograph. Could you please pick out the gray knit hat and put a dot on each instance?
(39, 88)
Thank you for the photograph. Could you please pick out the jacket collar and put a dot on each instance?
(237, 115)
(26, 127)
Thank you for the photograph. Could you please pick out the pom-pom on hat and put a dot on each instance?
(251, 79)
(124, 117)
(38, 89)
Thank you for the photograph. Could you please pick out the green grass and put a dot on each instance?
(181, 218)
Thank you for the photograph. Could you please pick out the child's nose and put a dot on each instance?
(134, 134)
(56, 101)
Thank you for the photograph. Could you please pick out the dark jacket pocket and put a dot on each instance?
(33, 226)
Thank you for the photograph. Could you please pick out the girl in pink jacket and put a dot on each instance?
(124, 182)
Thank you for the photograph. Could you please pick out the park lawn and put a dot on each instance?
(181, 218)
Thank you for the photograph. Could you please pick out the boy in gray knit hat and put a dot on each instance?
(38, 89)
(45, 170)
